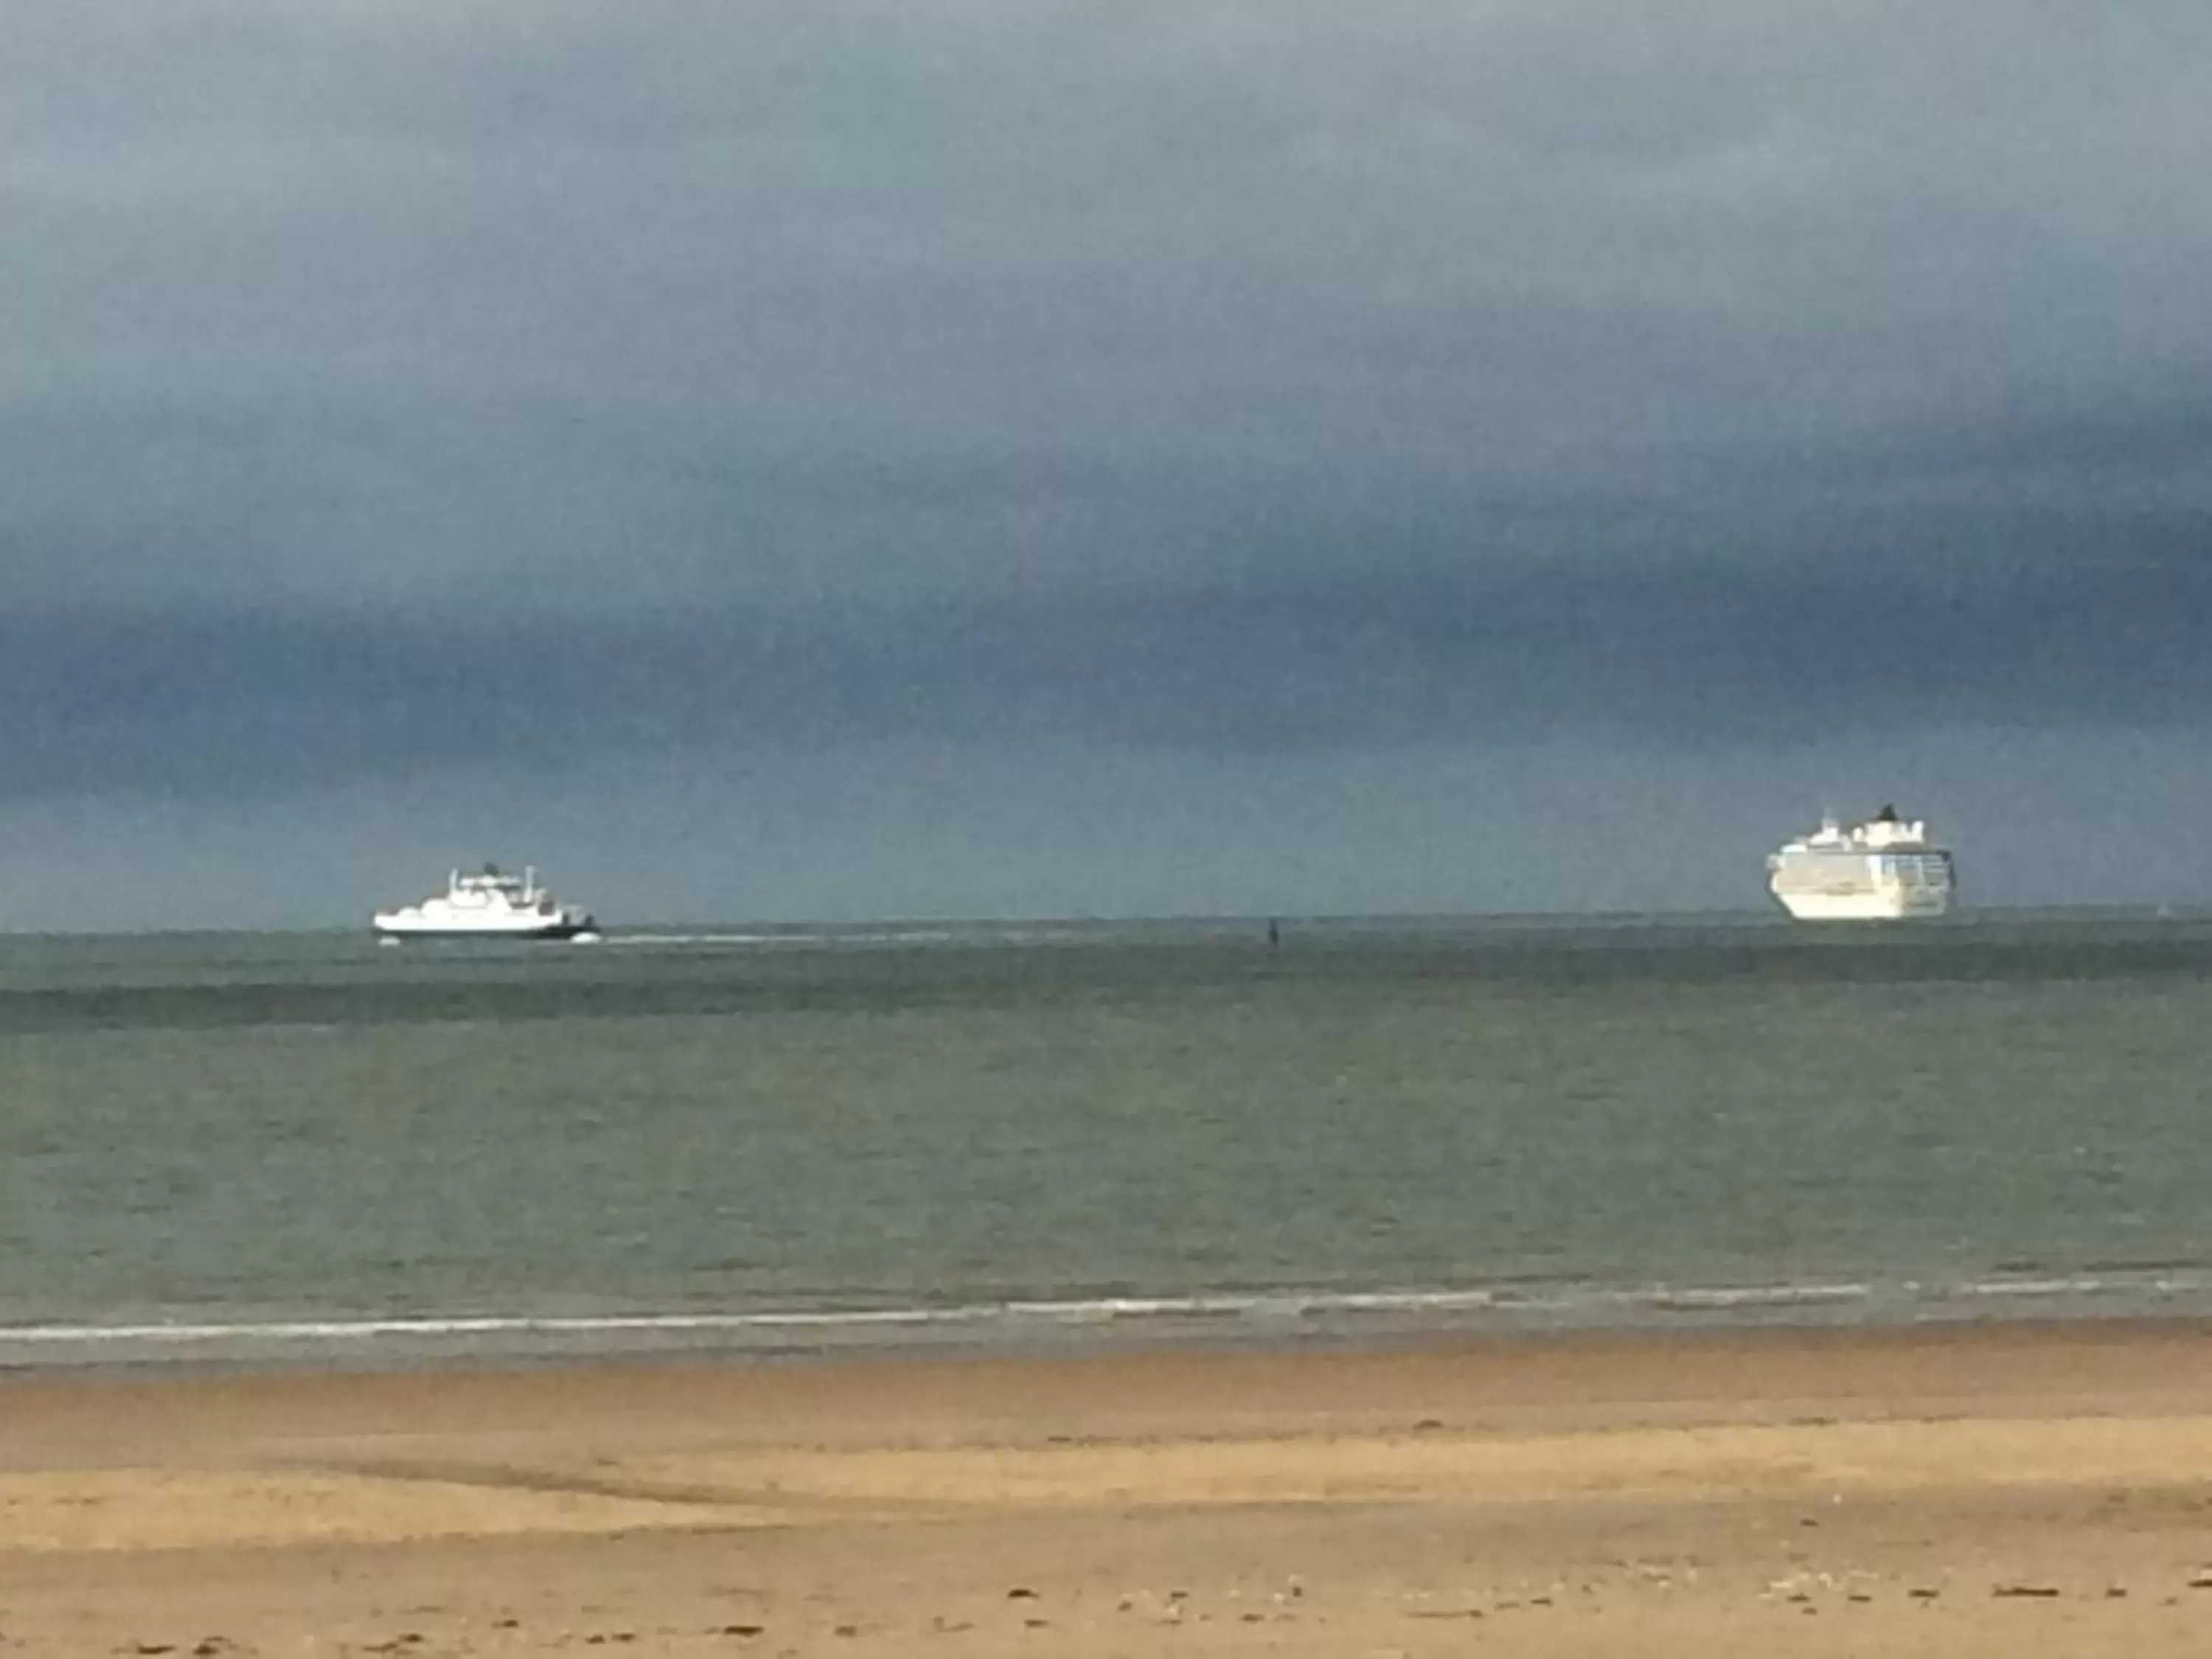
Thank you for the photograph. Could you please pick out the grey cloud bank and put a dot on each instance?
(871, 427)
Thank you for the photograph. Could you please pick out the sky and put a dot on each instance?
(852, 458)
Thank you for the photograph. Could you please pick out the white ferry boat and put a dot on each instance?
(1885, 869)
(488, 905)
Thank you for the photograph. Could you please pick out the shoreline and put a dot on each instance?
(1677, 1492)
(1267, 1321)
(1616, 1364)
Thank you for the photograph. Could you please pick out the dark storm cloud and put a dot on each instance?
(393, 392)
(660, 303)
(1707, 656)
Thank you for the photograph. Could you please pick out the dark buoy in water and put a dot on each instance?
(1274, 933)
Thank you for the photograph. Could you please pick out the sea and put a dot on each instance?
(313, 1149)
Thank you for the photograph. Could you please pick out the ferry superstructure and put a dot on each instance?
(487, 905)
(1885, 869)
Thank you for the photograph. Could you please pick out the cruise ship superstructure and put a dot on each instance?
(488, 905)
(1885, 869)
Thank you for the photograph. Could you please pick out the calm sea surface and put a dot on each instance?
(241, 1145)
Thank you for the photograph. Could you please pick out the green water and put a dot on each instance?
(308, 1127)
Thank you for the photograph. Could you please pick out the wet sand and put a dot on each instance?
(1991, 1489)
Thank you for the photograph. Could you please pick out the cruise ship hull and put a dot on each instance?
(1894, 905)
(1862, 887)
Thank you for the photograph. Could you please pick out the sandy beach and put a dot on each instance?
(1998, 1489)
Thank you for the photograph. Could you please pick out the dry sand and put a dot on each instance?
(2006, 1490)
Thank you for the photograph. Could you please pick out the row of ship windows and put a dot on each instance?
(1908, 867)
(1903, 862)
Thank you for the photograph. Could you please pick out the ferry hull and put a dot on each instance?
(400, 924)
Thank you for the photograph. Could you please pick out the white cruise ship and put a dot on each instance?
(1883, 870)
(488, 905)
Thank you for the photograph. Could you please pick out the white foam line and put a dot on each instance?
(1749, 1296)
(1101, 1309)
(810, 940)
(314, 1330)
(979, 937)
(649, 939)
(1262, 1305)
(2034, 1287)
